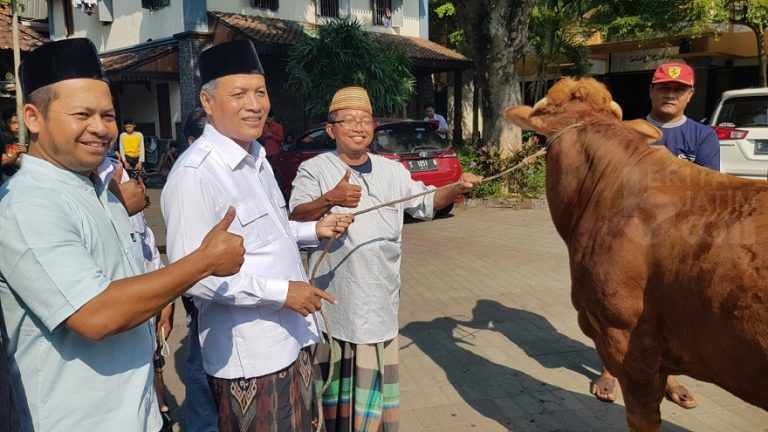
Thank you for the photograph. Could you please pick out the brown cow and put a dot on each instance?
(669, 261)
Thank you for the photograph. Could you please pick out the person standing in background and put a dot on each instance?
(442, 124)
(131, 146)
(273, 136)
(9, 145)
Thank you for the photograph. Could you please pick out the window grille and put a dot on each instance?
(382, 12)
(272, 5)
(328, 8)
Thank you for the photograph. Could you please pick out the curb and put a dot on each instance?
(517, 203)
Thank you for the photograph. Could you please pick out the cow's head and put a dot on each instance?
(571, 101)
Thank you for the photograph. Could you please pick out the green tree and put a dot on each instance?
(557, 35)
(341, 53)
(633, 19)
(493, 33)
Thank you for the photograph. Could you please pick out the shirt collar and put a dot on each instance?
(229, 150)
(659, 124)
(51, 172)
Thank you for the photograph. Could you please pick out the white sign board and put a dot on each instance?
(641, 60)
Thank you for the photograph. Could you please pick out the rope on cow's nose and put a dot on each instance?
(335, 351)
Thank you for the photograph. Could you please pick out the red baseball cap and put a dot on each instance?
(673, 72)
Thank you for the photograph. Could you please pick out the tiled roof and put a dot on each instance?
(134, 57)
(28, 38)
(422, 52)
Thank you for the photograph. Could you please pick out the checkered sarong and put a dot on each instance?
(364, 394)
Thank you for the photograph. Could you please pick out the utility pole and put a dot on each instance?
(16, 63)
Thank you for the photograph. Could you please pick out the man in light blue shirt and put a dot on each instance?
(75, 303)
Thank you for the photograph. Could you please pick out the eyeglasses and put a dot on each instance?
(351, 123)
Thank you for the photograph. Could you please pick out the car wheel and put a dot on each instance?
(444, 212)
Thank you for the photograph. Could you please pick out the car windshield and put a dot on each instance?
(748, 111)
(413, 137)
(316, 140)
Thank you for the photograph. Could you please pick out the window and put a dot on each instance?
(408, 137)
(272, 5)
(382, 12)
(316, 140)
(155, 4)
(749, 111)
(328, 8)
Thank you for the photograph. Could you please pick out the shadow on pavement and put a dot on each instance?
(511, 397)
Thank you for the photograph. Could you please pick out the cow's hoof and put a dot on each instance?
(604, 388)
(680, 395)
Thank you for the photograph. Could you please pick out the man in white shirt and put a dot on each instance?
(442, 125)
(255, 327)
(364, 270)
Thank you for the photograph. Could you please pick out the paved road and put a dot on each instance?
(489, 337)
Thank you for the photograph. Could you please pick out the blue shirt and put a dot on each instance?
(63, 240)
(690, 140)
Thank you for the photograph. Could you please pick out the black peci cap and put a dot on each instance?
(230, 58)
(59, 61)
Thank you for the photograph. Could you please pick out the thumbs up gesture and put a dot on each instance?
(223, 250)
(344, 194)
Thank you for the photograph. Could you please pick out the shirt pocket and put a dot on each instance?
(255, 226)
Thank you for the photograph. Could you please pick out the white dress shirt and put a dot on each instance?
(244, 330)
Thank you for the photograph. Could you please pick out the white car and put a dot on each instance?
(741, 123)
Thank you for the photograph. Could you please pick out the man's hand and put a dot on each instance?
(304, 298)
(344, 194)
(223, 250)
(139, 166)
(133, 193)
(467, 182)
(333, 225)
(165, 321)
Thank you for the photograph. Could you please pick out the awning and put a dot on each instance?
(150, 59)
(28, 39)
(283, 33)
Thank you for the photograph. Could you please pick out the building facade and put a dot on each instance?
(149, 48)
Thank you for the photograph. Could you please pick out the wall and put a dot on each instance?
(361, 9)
(294, 10)
(132, 24)
(175, 94)
(138, 102)
(304, 11)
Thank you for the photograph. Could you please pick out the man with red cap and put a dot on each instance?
(671, 91)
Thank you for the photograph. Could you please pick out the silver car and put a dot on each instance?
(741, 123)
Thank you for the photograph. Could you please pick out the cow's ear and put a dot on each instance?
(649, 131)
(521, 116)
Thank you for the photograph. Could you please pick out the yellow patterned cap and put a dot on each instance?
(353, 97)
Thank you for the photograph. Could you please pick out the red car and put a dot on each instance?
(416, 144)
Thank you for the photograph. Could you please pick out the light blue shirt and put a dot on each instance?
(63, 240)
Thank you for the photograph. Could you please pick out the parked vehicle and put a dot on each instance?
(413, 143)
(741, 123)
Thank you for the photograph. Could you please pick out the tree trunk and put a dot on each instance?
(16, 64)
(508, 36)
(761, 57)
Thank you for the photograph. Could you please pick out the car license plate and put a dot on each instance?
(761, 147)
(420, 165)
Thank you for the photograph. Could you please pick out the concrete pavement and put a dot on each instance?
(489, 340)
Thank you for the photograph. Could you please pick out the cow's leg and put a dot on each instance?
(635, 360)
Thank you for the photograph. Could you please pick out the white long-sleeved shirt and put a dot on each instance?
(244, 330)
